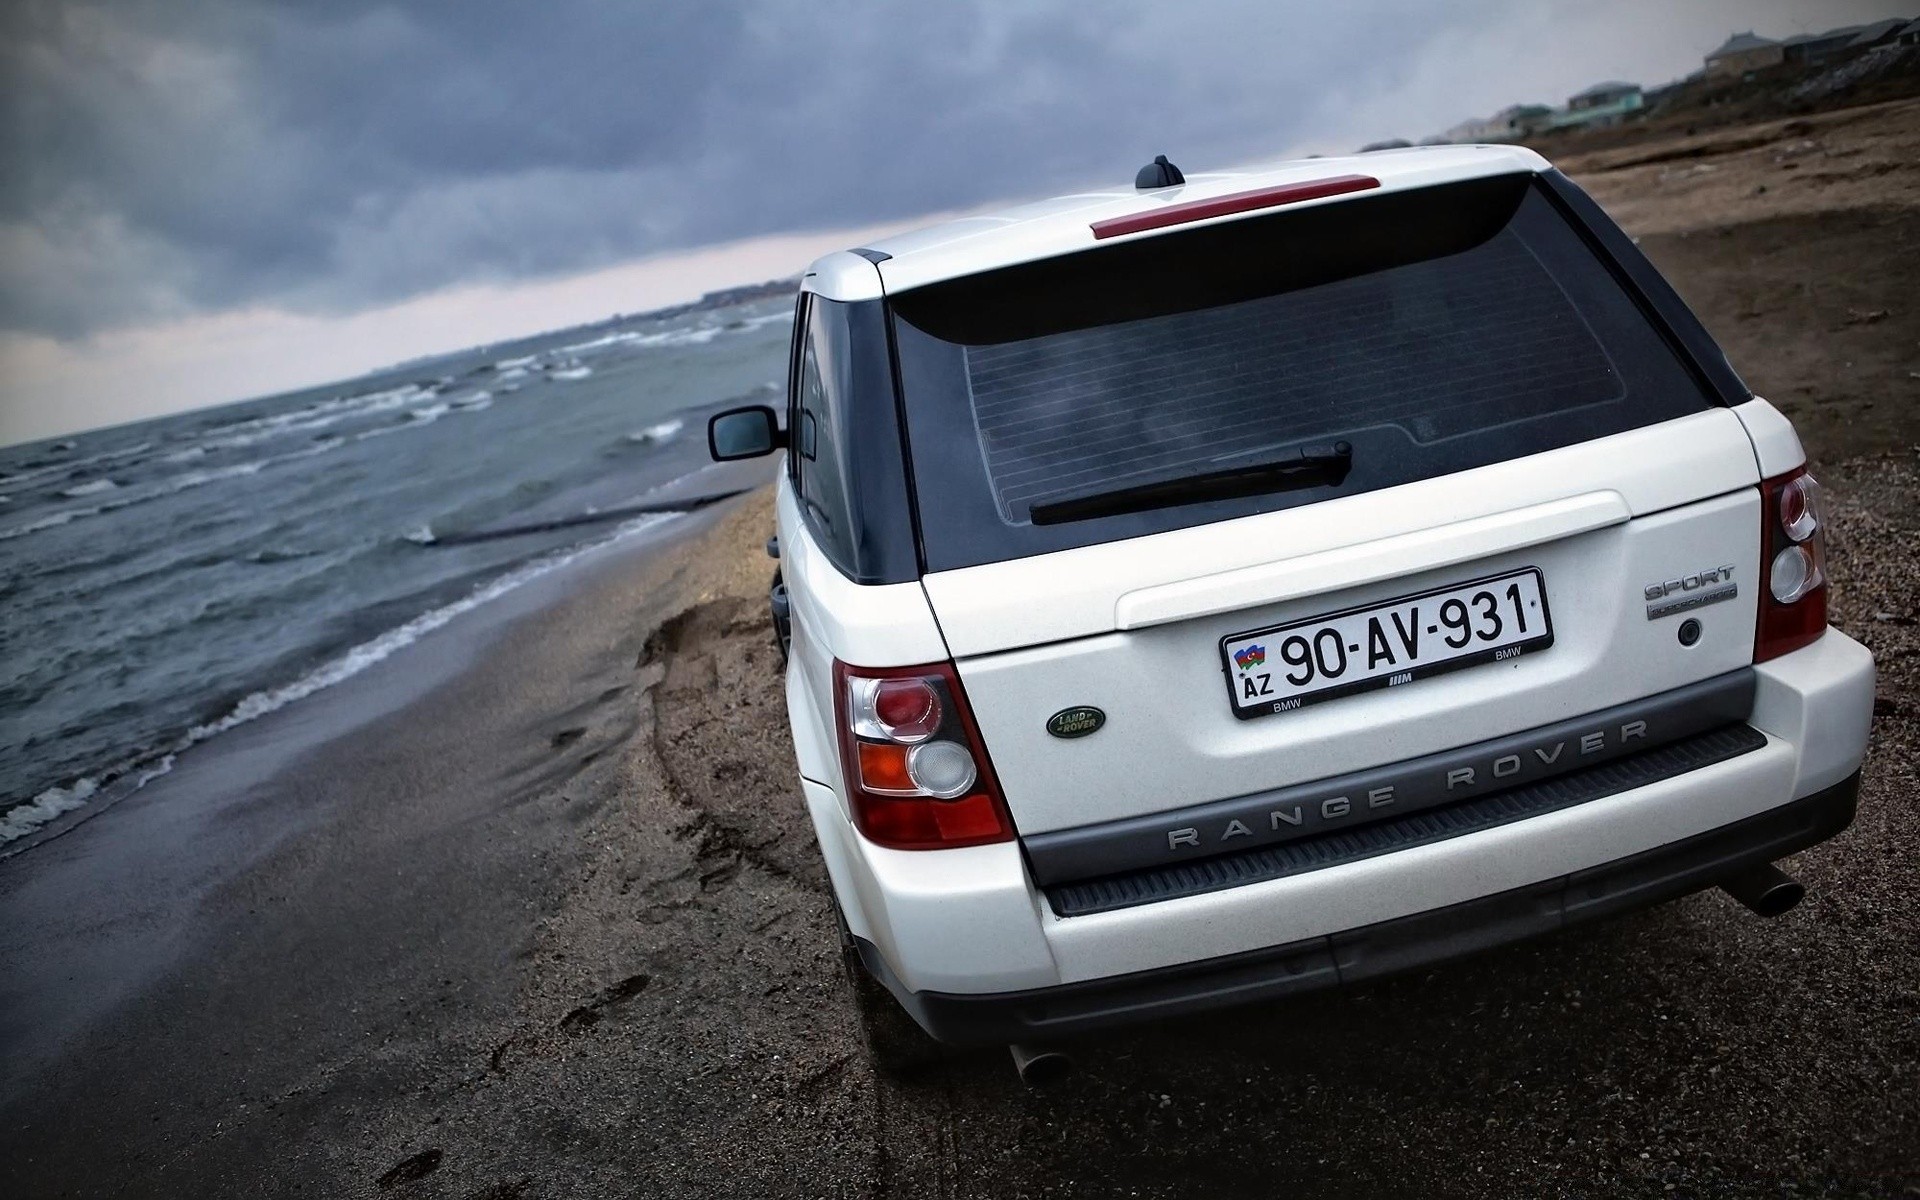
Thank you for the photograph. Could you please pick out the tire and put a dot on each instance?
(782, 618)
(896, 1045)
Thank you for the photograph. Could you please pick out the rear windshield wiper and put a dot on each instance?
(1306, 466)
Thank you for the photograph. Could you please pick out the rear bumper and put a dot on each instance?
(1368, 951)
(951, 929)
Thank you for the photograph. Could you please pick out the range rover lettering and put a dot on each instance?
(1254, 582)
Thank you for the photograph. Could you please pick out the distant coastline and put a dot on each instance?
(746, 293)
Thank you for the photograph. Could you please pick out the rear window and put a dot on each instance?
(1432, 331)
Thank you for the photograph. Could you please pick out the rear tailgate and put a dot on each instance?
(1151, 478)
(1135, 628)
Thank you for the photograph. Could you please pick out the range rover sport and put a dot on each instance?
(1251, 583)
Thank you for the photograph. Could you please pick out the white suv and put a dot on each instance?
(1257, 582)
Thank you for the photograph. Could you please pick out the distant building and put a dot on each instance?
(1810, 49)
(1877, 33)
(1605, 95)
(1602, 104)
(1510, 124)
(1743, 53)
(1475, 130)
(1909, 34)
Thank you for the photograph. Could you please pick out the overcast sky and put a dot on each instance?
(207, 199)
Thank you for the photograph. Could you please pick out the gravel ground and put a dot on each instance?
(1693, 1048)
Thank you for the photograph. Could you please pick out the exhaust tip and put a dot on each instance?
(1040, 1067)
(1765, 889)
(1779, 899)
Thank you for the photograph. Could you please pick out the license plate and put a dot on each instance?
(1283, 667)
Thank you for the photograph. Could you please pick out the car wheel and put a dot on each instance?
(782, 615)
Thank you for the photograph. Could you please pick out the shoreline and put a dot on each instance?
(75, 801)
(76, 949)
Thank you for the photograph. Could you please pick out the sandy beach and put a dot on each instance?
(532, 909)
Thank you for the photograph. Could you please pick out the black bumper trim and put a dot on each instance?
(1149, 885)
(1390, 791)
(1637, 881)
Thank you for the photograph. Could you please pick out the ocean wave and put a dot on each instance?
(24, 819)
(277, 554)
(698, 335)
(52, 520)
(44, 471)
(425, 415)
(378, 649)
(654, 435)
(385, 403)
(516, 364)
(167, 487)
(89, 489)
(781, 317)
(571, 374)
(599, 343)
(319, 415)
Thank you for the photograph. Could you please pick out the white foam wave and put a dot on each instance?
(384, 403)
(50, 521)
(24, 819)
(571, 374)
(49, 470)
(511, 374)
(194, 479)
(516, 364)
(425, 415)
(698, 335)
(318, 415)
(654, 434)
(599, 343)
(764, 319)
(89, 489)
(166, 487)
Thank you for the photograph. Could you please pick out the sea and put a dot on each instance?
(166, 581)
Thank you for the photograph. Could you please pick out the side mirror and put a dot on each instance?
(744, 433)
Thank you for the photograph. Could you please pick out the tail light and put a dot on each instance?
(917, 772)
(1793, 592)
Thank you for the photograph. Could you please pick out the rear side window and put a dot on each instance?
(819, 422)
(845, 449)
(1432, 331)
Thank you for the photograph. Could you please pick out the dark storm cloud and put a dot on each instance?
(168, 158)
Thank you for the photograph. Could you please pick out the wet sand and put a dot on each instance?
(533, 910)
